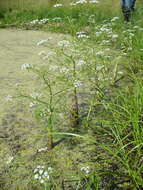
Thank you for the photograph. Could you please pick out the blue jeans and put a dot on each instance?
(127, 8)
(128, 3)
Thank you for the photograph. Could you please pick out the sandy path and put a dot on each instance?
(16, 48)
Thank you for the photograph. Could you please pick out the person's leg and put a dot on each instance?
(133, 5)
(127, 7)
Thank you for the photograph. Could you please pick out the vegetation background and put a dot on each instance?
(98, 133)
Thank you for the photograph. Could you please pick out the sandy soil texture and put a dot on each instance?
(19, 47)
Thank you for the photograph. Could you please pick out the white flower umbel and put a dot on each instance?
(80, 62)
(77, 83)
(32, 104)
(58, 5)
(42, 149)
(57, 19)
(64, 43)
(50, 54)
(33, 22)
(36, 95)
(81, 2)
(98, 33)
(114, 19)
(41, 171)
(42, 181)
(42, 175)
(99, 67)
(53, 68)
(36, 176)
(43, 21)
(114, 36)
(41, 42)
(26, 66)
(39, 166)
(8, 98)
(63, 70)
(93, 1)
(82, 35)
(42, 53)
(9, 160)
(85, 169)
(100, 53)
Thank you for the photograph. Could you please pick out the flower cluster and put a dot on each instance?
(85, 169)
(80, 62)
(37, 21)
(41, 42)
(41, 174)
(64, 43)
(58, 5)
(26, 66)
(8, 98)
(77, 83)
(83, 2)
(82, 35)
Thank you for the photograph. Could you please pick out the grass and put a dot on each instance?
(104, 151)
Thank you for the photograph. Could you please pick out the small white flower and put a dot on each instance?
(51, 53)
(8, 98)
(42, 149)
(42, 53)
(34, 22)
(136, 27)
(81, 2)
(40, 167)
(100, 53)
(35, 95)
(36, 170)
(9, 160)
(43, 21)
(41, 42)
(57, 19)
(63, 43)
(93, 1)
(131, 34)
(42, 181)
(130, 49)
(114, 36)
(105, 42)
(50, 169)
(114, 19)
(120, 72)
(26, 66)
(85, 169)
(99, 67)
(36, 176)
(32, 104)
(82, 35)
(77, 83)
(81, 62)
(72, 4)
(53, 68)
(45, 174)
(40, 172)
(64, 70)
(98, 33)
(58, 5)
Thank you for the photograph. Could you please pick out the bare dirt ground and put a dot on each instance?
(17, 126)
(18, 47)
